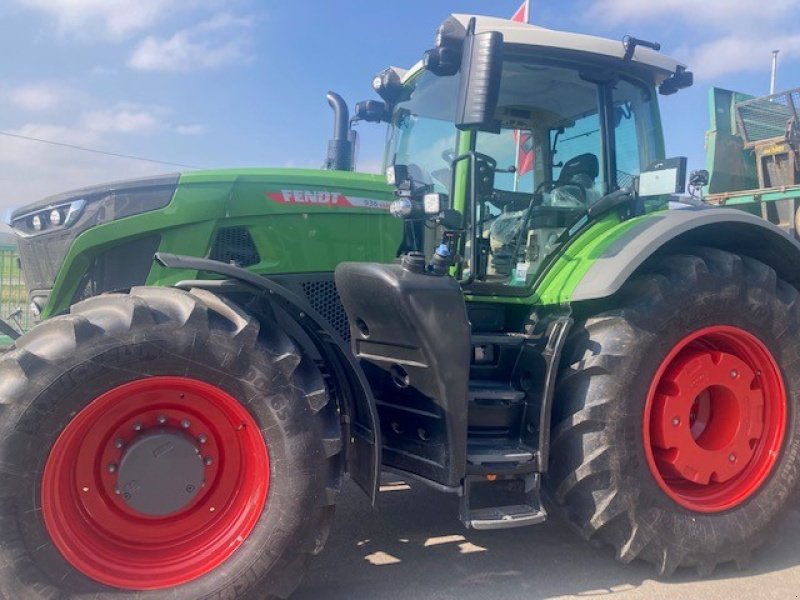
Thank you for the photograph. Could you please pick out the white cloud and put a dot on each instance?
(195, 129)
(715, 14)
(105, 18)
(37, 97)
(121, 119)
(31, 170)
(735, 53)
(722, 36)
(216, 42)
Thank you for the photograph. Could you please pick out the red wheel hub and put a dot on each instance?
(714, 419)
(135, 443)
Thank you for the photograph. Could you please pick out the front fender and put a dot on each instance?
(358, 404)
(723, 228)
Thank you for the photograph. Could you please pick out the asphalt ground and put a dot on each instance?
(415, 547)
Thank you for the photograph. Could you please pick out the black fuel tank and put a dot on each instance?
(411, 332)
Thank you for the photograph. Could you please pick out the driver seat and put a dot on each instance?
(583, 164)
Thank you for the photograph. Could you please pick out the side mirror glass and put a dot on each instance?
(679, 80)
(663, 177)
(479, 88)
(371, 111)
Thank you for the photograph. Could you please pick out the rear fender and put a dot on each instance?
(727, 229)
(363, 443)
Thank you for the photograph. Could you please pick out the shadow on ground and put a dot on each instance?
(415, 547)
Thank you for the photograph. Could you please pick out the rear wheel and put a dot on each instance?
(675, 436)
(162, 444)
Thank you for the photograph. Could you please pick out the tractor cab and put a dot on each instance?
(566, 120)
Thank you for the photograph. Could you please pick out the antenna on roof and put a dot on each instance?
(774, 73)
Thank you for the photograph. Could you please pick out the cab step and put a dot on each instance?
(494, 391)
(495, 409)
(487, 453)
(502, 503)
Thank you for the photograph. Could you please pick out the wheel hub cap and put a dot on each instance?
(714, 419)
(707, 416)
(160, 473)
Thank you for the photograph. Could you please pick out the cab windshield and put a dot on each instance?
(421, 133)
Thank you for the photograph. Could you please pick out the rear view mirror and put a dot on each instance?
(481, 70)
(663, 177)
(371, 111)
(679, 80)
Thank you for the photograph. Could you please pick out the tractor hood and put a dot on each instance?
(82, 222)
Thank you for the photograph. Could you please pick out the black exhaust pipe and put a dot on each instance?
(340, 150)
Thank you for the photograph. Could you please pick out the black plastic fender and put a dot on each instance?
(352, 389)
(723, 228)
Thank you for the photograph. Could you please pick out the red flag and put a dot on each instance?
(525, 152)
(524, 138)
(523, 13)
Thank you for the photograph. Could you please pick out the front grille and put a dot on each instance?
(324, 298)
(235, 245)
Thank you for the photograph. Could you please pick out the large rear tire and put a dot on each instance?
(675, 436)
(162, 444)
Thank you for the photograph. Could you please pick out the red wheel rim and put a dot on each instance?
(103, 536)
(715, 418)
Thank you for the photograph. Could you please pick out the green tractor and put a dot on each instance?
(560, 332)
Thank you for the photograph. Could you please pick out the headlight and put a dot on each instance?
(432, 203)
(85, 208)
(401, 208)
(55, 217)
(396, 174)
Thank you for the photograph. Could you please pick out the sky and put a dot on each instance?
(242, 83)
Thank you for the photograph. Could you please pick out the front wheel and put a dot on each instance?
(162, 444)
(676, 418)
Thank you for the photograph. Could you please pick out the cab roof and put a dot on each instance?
(523, 34)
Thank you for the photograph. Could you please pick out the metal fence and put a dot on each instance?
(14, 304)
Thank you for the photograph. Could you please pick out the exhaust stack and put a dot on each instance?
(340, 148)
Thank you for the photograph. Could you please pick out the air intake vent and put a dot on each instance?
(324, 298)
(235, 244)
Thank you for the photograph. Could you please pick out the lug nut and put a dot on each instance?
(117, 492)
(162, 420)
(676, 421)
(119, 444)
(731, 457)
(186, 424)
(202, 438)
(138, 427)
(208, 461)
(734, 374)
(112, 468)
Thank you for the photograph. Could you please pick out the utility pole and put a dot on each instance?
(774, 72)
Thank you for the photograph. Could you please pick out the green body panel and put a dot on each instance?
(557, 283)
(570, 267)
(300, 221)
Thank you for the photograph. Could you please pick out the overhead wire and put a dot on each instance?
(96, 151)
